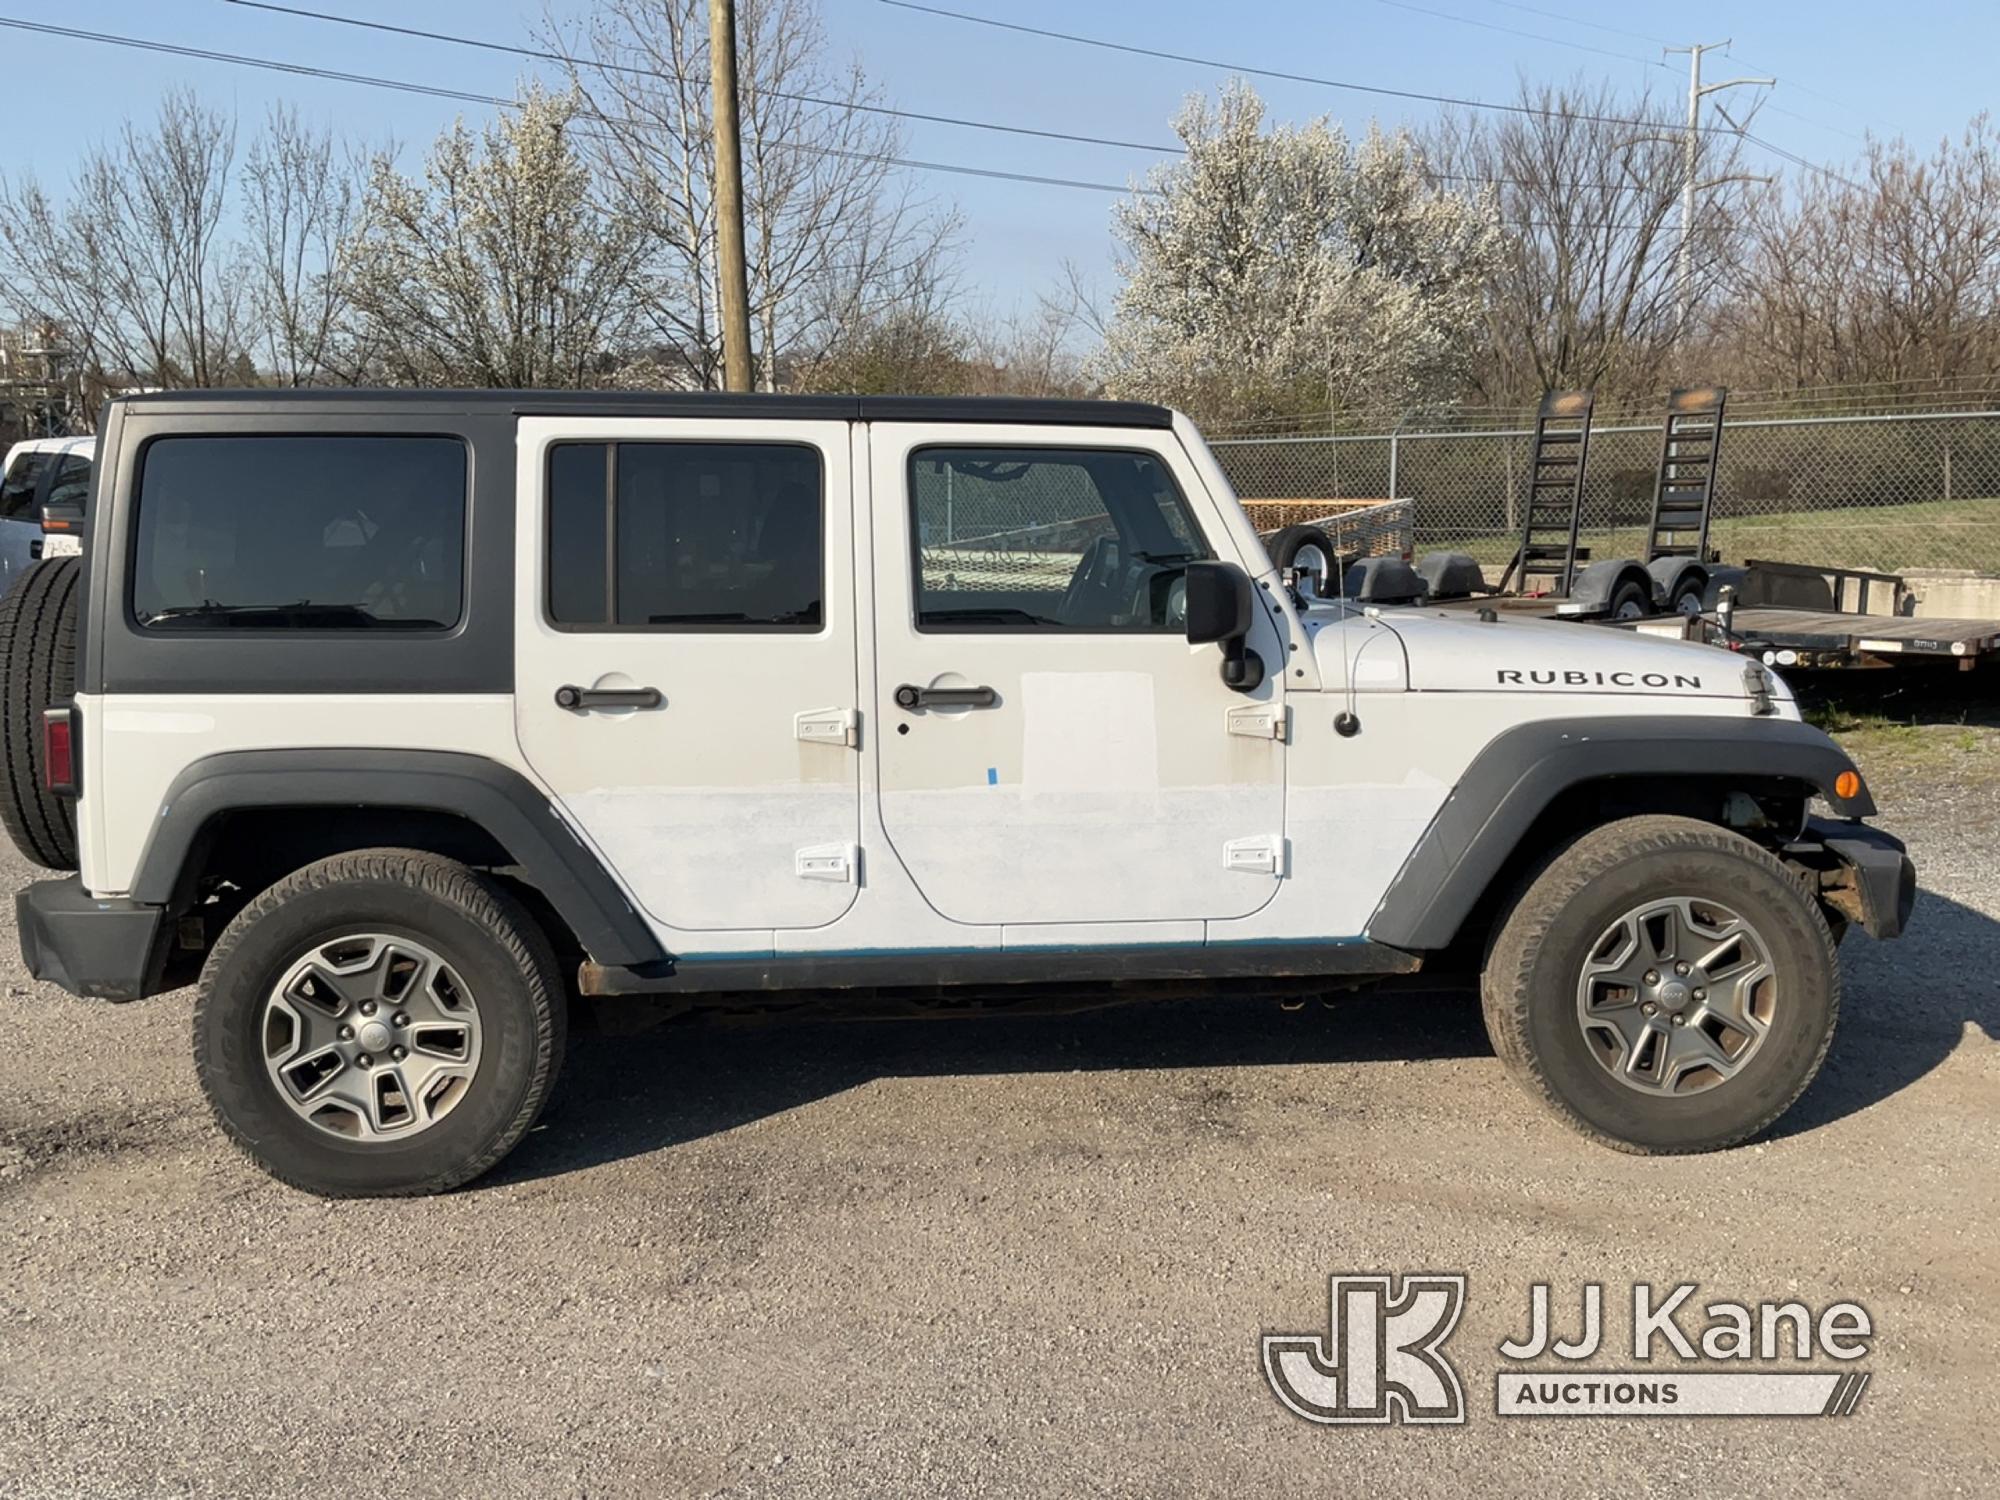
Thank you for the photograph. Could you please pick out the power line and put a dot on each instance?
(1533, 36)
(1556, 15)
(1153, 148)
(1360, 88)
(1640, 36)
(1288, 77)
(1800, 161)
(365, 80)
(545, 55)
(306, 70)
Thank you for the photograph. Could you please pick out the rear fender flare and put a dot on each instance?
(493, 797)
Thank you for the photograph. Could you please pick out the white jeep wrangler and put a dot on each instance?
(400, 716)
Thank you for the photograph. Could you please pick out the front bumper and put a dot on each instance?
(1868, 878)
(99, 949)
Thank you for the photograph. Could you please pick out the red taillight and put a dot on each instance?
(58, 750)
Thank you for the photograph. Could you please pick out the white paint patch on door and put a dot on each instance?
(1088, 731)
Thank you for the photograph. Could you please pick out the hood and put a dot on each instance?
(1456, 652)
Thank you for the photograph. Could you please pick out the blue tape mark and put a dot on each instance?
(993, 776)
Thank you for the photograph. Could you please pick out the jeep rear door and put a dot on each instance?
(1051, 749)
(685, 659)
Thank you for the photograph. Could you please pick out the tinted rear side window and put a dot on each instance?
(307, 533)
(702, 536)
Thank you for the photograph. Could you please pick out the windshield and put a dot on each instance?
(17, 490)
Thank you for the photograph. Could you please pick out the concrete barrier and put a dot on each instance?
(1954, 593)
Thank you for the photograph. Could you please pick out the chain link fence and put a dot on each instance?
(1889, 492)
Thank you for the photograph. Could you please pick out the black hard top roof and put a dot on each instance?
(1026, 410)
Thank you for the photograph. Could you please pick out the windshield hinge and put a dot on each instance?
(1257, 721)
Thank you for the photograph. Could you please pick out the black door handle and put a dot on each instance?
(578, 699)
(909, 697)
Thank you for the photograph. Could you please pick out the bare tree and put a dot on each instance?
(1587, 291)
(1036, 351)
(1891, 273)
(137, 263)
(500, 267)
(303, 211)
(837, 239)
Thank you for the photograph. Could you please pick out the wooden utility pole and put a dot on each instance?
(732, 278)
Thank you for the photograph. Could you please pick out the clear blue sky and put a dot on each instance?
(1921, 68)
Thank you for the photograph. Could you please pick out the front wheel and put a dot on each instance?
(380, 1023)
(1664, 986)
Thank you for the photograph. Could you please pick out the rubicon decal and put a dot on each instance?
(1576, 677)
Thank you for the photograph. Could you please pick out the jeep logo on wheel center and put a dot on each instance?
(406, 715)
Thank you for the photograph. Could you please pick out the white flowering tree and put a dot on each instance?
(1273, 273)
(500, 266)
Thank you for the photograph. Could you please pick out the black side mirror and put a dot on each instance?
(1221, 608)
(63, 515)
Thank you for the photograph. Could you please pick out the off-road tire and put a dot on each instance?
(37, 670)
(1529, 987)
(487, 936)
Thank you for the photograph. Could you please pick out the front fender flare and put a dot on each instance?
(1514, 779)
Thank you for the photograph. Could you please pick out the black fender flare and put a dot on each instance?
(493, 797)
(1669, 573)
(1596, 582)
(1514, 779)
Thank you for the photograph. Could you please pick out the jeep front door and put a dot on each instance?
(685, 660)
(1051, 748)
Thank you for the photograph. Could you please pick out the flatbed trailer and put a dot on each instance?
(1814, 638)
(1781, 635)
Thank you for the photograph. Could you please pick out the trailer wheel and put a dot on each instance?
(1689, 594)
(1631, 600)
(37, 670)
(1664, 986)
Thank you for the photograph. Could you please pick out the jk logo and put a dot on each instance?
(1382, 1358)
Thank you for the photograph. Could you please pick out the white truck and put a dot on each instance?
(37, 477)
(398, 718)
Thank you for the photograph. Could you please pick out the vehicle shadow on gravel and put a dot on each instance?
(624, 1096)
(1906, 1008)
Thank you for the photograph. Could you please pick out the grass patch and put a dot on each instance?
(1879, 538)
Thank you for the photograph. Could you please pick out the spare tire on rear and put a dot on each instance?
(37, 670)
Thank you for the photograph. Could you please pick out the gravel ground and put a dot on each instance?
(1019, 1256)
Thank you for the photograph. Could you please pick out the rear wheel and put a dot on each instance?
(1664, 985)
(379, 1023)
(37, 670)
